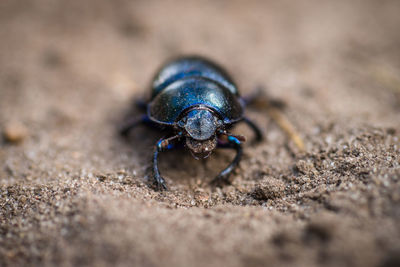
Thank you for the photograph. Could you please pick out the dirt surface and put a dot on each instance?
(72, 192)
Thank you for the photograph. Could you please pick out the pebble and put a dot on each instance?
(15, 132)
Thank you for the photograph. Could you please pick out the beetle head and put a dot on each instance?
(200, 126)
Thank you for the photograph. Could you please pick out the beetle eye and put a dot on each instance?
(200, 124)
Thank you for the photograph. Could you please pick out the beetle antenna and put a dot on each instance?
(239, 137)
(165, 143)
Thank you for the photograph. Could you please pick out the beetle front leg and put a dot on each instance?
(223, 177)
(162, 145)
(159, 182)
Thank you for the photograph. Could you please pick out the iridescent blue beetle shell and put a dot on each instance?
(192, 82)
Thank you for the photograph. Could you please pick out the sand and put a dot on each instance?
(74, 193)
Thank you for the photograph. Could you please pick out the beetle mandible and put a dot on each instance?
(197, 102)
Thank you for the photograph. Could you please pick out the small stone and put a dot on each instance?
(15, 132)
(269, 188)
(201, 196)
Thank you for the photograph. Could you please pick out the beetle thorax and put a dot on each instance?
(200, 124)
(200, 127)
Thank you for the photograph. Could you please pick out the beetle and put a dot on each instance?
(197, 103)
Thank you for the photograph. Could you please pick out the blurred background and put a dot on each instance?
(73, 193)
(327, 48)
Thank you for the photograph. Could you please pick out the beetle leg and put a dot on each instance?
(158, 180)
(254, 127)
(163, 144)
(132, 123)
(223, 176)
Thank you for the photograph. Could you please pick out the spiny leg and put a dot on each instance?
(159, 182)
(132, 123)
(162, 145)
(128, 125)
(257, 96)
(254, 127)
(233, 143)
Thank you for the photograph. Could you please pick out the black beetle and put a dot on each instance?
(196, 101)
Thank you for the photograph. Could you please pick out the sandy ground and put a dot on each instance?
(73, 193)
